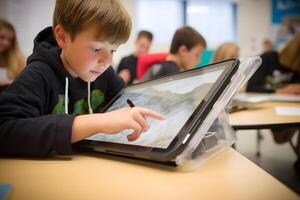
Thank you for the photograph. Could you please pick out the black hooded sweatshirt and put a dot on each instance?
(33, 118)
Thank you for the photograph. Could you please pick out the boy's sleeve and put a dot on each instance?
(25, 128)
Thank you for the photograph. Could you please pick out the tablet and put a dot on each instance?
(185, 98)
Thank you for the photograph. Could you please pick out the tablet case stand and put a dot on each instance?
(215, 134)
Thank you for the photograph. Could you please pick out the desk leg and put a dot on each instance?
(297, 163)
(258, 140)
(296, 147)
(298, 144)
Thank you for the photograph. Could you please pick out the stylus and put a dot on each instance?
(130, 103)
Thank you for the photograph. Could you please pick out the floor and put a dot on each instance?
(276, 159)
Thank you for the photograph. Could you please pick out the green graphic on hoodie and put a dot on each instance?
(81, 105)
(97, 98)
(59, 108)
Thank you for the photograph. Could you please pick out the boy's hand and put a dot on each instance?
(129, 118)
(113, 122)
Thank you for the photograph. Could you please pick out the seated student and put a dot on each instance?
(68, 74)
(186, 48)
(279, 72)
(128, 65)
(12, 61)
(226, 51)
(267, 45)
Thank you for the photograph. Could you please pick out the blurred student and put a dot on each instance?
(226, 51)
(279, 72)
(186, 48)
(128, 65)
(12, 61)
(267, 46)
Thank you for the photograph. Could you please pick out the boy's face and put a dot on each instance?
(85, 57)
(142, 45)
(190, 58)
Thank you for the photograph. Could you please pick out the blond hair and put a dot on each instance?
(290, 55)
(225, 51)
(12, 56)
(112, 20)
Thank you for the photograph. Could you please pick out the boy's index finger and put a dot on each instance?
(150, 113)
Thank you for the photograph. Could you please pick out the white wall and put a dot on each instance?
(253, 25)
(127, 48)
(31, 16)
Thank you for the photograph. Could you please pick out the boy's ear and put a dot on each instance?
(60, 36)
(182, 49)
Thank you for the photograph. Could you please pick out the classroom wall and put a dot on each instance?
(253, 25)
(31, 16)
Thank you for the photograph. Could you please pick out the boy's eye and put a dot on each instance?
(95, 50)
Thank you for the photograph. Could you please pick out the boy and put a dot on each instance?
(186, 48)
(69, 72)
(128, 65)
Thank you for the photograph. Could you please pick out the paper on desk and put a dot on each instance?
(284, 97)
(258, 98)
(252, 98)
(290, 111)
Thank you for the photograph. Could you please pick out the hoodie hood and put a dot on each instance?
(46, 50)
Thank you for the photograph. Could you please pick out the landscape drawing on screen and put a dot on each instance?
(176, 99)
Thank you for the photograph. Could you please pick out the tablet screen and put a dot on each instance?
(175, 97)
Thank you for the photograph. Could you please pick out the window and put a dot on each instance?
(162, 18)
(215, 20)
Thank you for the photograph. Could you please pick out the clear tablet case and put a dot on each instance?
(215, 133)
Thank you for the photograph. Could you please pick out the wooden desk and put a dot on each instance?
(227, 176)
(263, 116)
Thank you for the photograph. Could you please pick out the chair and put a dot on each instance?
(145, 61)
(205, 58)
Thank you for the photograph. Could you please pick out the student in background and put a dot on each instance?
(226, 51)
(128, 65)
(68, 78)
(12, 61)
(279, 72)
(267, 46)
(186, 48)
